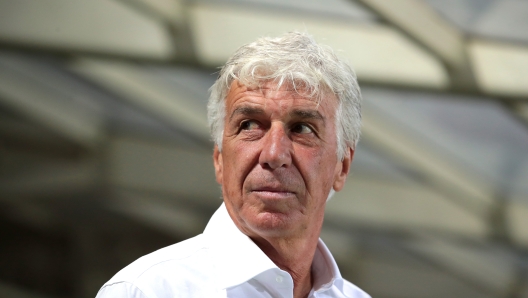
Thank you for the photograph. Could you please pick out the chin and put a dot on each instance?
(273, 223)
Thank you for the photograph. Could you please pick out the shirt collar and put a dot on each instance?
(233, 251)
(324, 268)
(236, 257)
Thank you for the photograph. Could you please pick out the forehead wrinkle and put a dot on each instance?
(271, 91)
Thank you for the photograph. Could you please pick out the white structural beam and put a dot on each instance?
(173, 14)
(501, 69)
(517, 221)
(394, 206)
(419, 21)
(492, 67)
(31, 96)
(451, 178)
(101, 26)
(169, 10)
(493, 268)
(172, 217)
(378, 53)
(153, 93)
(163, 168)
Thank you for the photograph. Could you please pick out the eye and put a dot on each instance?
(249, 125)
(302, 128)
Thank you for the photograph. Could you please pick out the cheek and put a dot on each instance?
(321, 179)
(239, 162)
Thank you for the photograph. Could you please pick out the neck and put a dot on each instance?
(294, 256)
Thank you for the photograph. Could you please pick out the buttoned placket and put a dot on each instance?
(284, 283)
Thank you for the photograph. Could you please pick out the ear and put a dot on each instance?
(218, 164)
(342, 169)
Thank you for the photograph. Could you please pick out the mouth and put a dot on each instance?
(272, 193)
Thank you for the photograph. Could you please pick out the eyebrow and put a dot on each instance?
(307, 115)
(297, 113)
(248, 111)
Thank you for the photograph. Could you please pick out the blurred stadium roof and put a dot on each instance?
(105, 149)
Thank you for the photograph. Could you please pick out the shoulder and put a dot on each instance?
(156, 261)
(154, 273)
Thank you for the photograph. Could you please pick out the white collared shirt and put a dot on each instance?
(221, 262)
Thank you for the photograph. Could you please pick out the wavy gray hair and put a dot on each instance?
(294, 58)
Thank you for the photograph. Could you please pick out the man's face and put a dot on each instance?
(278, 160)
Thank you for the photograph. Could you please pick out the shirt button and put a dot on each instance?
(278, 278)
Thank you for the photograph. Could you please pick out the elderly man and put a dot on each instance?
(285, 117)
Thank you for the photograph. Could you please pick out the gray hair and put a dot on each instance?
(294, 58)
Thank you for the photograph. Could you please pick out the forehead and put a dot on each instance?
(285, 96)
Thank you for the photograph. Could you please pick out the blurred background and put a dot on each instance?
(105, 152)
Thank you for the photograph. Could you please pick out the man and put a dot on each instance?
(285, 117)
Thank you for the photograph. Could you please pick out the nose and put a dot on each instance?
(276, 149)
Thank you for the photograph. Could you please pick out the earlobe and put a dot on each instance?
(218, 164)
(342, 169)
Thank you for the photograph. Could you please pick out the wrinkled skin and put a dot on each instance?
(278, 162)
